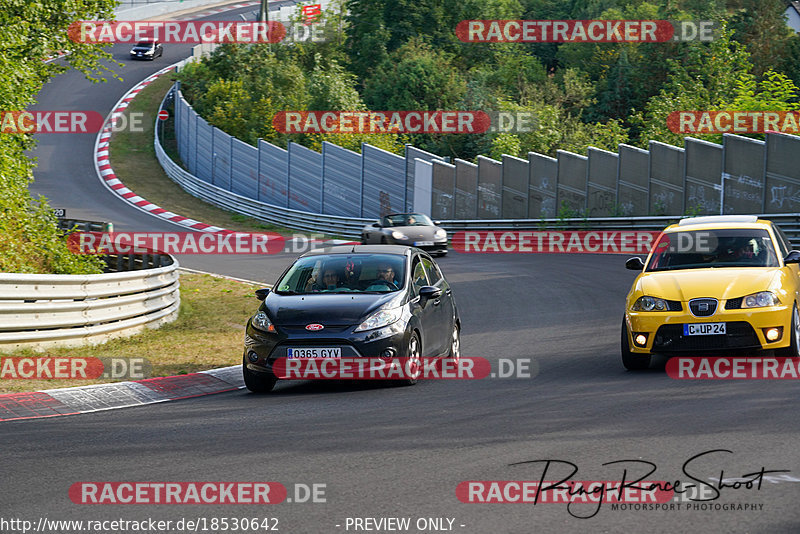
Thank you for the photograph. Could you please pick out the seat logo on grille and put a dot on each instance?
(703, 307)
(314, 327)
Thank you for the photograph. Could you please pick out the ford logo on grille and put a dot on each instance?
(314, 327)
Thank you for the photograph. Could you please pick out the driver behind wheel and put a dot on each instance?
(385, 279)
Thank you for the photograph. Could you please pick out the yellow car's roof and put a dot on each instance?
(719, 222)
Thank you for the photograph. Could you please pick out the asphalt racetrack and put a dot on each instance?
(400, 452)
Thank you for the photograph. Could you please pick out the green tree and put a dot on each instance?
(29, 32)
(760, 25)
(708, 77)
(415, 77)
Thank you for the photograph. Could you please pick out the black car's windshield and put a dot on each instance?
(407, 219)
(698, 249)
(344, 273)
(144, 44)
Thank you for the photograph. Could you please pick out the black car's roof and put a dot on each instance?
(397, 250)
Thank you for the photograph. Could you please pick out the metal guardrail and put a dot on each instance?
(788, 222)
(46, 310)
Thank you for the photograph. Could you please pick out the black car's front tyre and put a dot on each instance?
(258, 382)
(455, 344)
(413, 364)
(631, 360)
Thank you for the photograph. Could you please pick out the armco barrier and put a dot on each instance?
(45, 310)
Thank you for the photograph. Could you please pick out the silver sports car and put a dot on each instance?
(412, 229)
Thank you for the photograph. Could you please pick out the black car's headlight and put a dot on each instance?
(399, 235)
(262, 322)
(381, 318)
(649, 304)
(761, 299)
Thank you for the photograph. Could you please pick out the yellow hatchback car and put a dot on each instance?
(713, 285)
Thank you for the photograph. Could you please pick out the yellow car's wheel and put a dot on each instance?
(631, 360)
(793, 350)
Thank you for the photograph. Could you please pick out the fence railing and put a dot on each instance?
(45, 310)
(445, 184)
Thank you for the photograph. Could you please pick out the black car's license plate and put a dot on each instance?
(315, 352)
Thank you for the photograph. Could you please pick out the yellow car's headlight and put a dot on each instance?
(761, 299)
(649, 304)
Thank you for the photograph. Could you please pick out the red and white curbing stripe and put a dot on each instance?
(100, 397)
(109, 179)
(115, 185)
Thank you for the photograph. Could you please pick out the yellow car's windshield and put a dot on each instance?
(697, 249)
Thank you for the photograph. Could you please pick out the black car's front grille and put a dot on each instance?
(703, 307)
(734, 304)
(739, 335)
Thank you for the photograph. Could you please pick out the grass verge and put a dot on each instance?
(208, 333)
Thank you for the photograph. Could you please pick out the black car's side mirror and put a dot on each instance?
(792, 257)
(261, 294)
(634, 264)
(430, 292)
(376, 224)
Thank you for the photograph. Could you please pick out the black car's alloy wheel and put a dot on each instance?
(257, 382)
(631, 360)
(455, 344)
(413, 364)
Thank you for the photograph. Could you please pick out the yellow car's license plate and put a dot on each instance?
(703, 329)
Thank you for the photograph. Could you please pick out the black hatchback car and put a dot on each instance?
(147, 49)
(352, 301)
